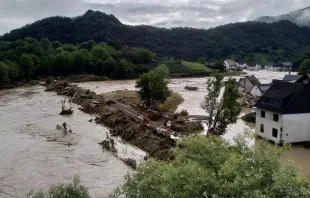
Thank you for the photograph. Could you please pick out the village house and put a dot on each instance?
(259, 90)
(283, 113)
(254, 66)
(268, 65)
(230, 64)
(242, 65)
(246, 84)
(285, 66)
(276, 67)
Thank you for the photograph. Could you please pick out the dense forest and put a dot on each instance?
(247, 41)
(22, 60)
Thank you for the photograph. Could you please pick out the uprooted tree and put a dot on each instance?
(223, 109)
(210, 166)
(153, 85)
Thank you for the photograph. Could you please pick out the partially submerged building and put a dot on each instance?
(283, 113)
(259, 90)
(247, 84)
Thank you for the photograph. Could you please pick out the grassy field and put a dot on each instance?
(172, 103)
(187, 69)
(195, 67)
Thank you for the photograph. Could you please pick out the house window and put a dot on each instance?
(262, 114)
(262, 128)
(274, 132)
(275, 117)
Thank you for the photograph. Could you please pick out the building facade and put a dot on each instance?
(283, 113)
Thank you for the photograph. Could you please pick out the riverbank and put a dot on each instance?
(128, 121)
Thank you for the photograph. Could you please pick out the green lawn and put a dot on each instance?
(187, 69)
(195, 67)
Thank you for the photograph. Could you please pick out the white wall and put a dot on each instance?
(296, 127)
(226, 64)
(269, 124)
(248, 86)
(256, 92)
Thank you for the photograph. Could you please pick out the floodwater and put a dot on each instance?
(192, 103)
(28, 119)
(29, 160)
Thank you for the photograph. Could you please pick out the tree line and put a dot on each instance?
(22, 60)
(246, 41)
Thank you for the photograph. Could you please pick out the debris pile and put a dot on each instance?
(64, 110)
(108, 144)
(191, 88)
(247, 100)
(125, 122)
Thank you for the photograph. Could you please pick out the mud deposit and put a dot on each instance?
(35, 155)
(132, 130)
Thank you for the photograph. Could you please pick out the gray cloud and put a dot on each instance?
(163, 13)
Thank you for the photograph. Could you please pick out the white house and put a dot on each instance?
(259, 90)
(268, 65)
(254, 66)
(230, 64)
(283, 113)
(285, 66)
(247, 84)
(242, 65)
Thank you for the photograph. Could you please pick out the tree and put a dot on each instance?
(99, 52)
(221, 110)
(209, 166)
(71, 190)
(201, 60)
(305, 67)
(56, 44)
(219, 65)
(4, 75)
(153, 85)
(27, 65)
(45, 44)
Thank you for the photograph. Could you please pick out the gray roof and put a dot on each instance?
(264, 87)
(269, 64)
(292, 78)
(252, 64)
(253, 80)
(231, 62)
(286, 98)
(287, 64)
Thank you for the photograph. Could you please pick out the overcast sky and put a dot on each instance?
(162, 13)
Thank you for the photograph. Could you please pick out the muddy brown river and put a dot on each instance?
(28, 119)
(30, 160)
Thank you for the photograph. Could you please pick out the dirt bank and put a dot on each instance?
(144, 135)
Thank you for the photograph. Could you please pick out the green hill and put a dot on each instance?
(247, 41)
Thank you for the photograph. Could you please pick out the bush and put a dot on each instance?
(71, 190)
(50, 80)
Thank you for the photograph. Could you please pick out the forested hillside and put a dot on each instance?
(300, 17)
(246, 41)
(26, 59)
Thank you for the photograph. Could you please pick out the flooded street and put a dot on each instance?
(28, 118)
